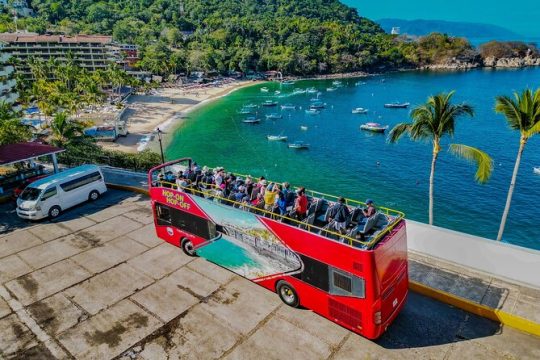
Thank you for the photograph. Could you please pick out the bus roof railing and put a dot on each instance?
(350, 240)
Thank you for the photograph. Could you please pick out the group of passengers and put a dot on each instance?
(271, 198)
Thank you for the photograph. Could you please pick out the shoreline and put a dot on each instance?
(165, 108)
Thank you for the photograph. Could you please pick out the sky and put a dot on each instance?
(522, 19)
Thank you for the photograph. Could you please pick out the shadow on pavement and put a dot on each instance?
(427, 322)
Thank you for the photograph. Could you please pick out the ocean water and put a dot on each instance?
(344, 160)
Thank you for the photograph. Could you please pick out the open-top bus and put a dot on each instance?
(361, 283)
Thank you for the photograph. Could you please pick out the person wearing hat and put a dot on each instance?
(370, 210)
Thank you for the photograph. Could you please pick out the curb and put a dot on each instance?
(499, 316)
(484, 311)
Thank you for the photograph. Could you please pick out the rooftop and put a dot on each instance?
(35, 38)
(13, 153)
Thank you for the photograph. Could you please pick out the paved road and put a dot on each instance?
(97, 283)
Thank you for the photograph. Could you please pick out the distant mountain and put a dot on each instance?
(462, 29)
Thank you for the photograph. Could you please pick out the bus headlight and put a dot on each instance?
(377, 318)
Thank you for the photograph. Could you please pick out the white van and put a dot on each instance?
(49, 196)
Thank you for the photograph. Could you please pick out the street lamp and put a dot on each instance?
(160, 145)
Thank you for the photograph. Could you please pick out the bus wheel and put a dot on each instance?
(187, 247)
(287, 293)
(94, 195)
(54, 212)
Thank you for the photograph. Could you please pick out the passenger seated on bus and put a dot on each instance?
(281, 203)
(181, 182)
(370, 210)
(300, 205)
(169, 177)
(249, 185)
(288, 194)
(262, 184)
(270, 196)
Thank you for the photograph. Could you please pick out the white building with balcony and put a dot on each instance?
(7, 81)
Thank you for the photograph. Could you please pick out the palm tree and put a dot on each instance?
(65, 131)
(11, 129)
(523, 114)
(432, 121)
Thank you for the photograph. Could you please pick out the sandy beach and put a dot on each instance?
(165, 108)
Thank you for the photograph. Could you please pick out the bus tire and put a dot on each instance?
(187, 247)
(287, 294)
(93, 196)
(54, 212)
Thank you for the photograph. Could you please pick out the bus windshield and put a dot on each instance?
(30, 194)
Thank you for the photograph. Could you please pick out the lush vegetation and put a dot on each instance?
(11, 128)
(508, 49)
(431, 122)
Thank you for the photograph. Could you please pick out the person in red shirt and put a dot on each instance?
(301, 204)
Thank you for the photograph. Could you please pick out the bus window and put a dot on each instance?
(163, 215)
(346, 284)
(315, 273)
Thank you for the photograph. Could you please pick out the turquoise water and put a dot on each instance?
(345, 161)
(226, 254)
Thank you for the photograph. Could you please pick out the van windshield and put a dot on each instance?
(30, 194)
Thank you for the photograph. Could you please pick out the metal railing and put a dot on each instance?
(210, 194)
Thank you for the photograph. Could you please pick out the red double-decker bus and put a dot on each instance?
(356, 277)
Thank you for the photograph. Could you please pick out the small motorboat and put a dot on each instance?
(287, 82)
(298, 91)
(269, 103)
(358, 83)
(337, 83)
(245, 111)
(359, 110)
(288, 107)
(264, 89)
(331, 89)
(312, 90)
(374, 127)
(276, 138)
(251, 120)
(313, 112)
(250, 106)
(298, 145)
(536, 170)
(274, 116)
(277, 92)
(303, 127)
(317, 105)
(397, 105)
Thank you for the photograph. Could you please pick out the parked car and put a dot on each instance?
(50, 196)
(19, 189)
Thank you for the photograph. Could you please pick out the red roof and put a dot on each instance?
(14, 153)
(34, 38)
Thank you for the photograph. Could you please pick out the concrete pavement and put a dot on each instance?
(98, 284)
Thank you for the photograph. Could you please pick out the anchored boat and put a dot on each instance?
(288, 107)
(251, 120)
(397, 105)
(269, 103)
(298, 145)
(359, 110)
(276, 138)
(274, 116)
(536, 170)
(264, 89)
(374, 127)
(313, 112)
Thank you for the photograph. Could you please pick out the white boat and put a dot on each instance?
(397, 105)
(269, 103)
(274, 116)
(250, 106)
(536, 170)
(245, 111)
(298, 91)
(264, 89)
(317, 105)
(374, 127)
(298, 145)
(276, 138)
(331, 89)
(288, 107)
(337, 83)
(358, 83)
(312, 90)
(359, 110)
(287, 82)
(303, 127)
(277, 92)
(313, 112)
(251, 120)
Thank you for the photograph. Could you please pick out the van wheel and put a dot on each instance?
(54, 212)
(287, 294)
(187, 247)
(94, 195)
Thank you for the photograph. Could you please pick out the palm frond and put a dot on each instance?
(398, 131)
(484, 163)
